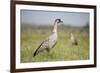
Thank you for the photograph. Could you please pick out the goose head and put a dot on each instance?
(57, 21)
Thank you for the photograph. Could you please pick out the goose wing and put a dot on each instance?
(46, 44)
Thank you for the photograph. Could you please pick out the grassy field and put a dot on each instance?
(31, 38)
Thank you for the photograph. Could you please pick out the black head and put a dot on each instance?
(58, 21)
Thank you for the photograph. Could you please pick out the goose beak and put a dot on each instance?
(61, 22)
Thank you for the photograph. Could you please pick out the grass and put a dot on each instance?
(63, 51)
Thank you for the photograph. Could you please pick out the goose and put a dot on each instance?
(50, 41)
(73, 40)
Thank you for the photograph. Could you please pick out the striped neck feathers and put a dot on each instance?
(55, 27)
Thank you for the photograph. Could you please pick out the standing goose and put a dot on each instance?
(49, 42)
(73, 40)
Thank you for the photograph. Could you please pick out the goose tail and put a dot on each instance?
(34, 53)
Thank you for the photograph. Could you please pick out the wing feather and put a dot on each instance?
(41, 47)
(47, 43)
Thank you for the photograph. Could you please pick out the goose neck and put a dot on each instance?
(55, 27)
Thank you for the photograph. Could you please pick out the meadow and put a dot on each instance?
(32, 36)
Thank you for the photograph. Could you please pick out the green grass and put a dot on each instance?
(63, 51)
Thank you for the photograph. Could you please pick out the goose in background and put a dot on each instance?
(73, 40)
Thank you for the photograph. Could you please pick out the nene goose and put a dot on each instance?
(73, 40)
(49, 42)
